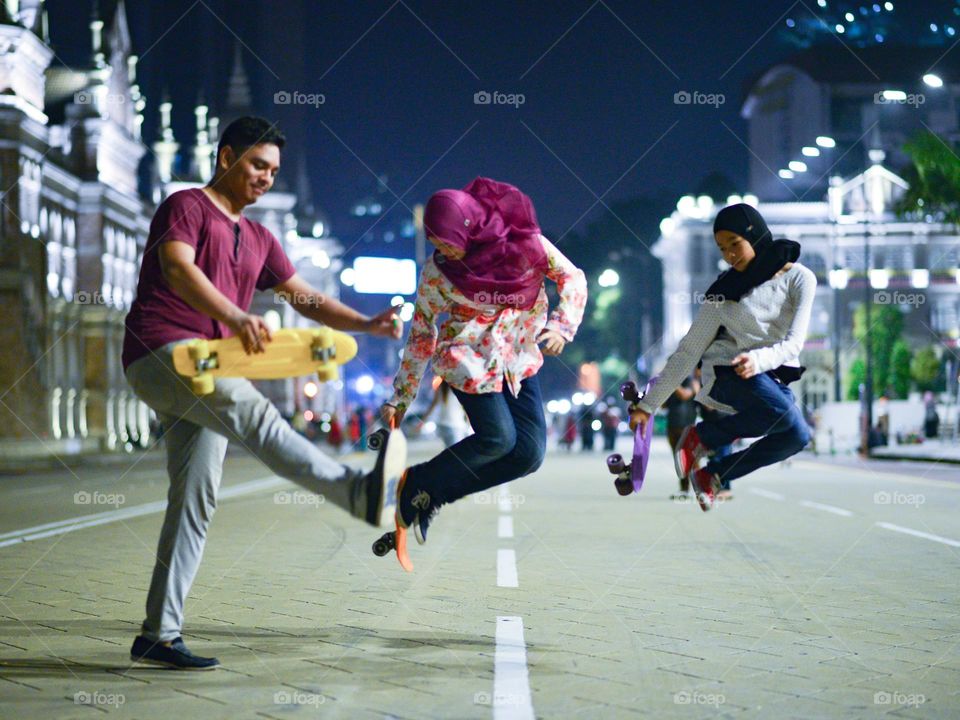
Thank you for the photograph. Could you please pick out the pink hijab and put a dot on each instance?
(496, 226)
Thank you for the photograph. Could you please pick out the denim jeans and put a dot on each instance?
(766, 410)
(509, 441)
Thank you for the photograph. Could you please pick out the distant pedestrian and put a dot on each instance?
(587, 433)
(931, 419)
(610, 418)
(569, 436)
(681, 412)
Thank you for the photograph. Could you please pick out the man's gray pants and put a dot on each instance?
(197, 430)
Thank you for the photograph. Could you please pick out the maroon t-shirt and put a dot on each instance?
(257, 262)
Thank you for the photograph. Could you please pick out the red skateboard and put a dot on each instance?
(630, 477)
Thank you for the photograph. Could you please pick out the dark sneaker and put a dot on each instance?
(177, 656)
(424, 519)
(377, 490)
(689, 453)
(412, 502)
(706, 485)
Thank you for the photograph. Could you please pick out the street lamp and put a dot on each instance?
(868, 351)
(608, 278)
(838, 281)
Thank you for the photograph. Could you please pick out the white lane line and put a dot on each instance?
(507, 569)
(827, 508)
(767, 494)
(505, 527)
(511, 680)
(919, 534)
(62, 527)
(504, 503)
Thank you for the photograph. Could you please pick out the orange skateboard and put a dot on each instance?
(291, 353)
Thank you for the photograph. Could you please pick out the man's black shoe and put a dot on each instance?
(177, 656)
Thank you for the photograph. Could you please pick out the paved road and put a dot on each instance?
(820, 591)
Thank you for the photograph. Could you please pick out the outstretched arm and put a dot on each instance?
(324, 309)
(685, 358)
(421, 341)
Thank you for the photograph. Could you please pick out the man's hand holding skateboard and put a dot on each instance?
(252, 330)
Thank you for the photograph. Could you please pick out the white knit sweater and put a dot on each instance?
(770, 323)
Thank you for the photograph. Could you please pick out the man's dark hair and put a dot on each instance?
(245, 132)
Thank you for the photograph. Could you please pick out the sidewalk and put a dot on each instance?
(929, 451)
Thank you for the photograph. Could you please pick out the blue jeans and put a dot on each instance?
(509, 441)
(766, 410)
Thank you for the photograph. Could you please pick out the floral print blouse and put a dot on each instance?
(478, 346)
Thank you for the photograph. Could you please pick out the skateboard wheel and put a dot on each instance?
(384, 544)
(327, 373)
(624, 487)
(628, 391)
(615, 463)
(199, 350)
(375, 441)
(202, 384)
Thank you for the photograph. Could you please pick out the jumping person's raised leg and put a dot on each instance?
(765, 409)
(787, 433)
(439, 481)
(526, 411)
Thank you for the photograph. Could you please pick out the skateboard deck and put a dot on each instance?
(395, 539)
(629, 477)
(291, 353)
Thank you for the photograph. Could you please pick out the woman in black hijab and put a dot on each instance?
(763, 302)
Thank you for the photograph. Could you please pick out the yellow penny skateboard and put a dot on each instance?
(292, 352)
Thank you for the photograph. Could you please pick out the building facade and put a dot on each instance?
(912, 265)
(72, 234)
(819, 114)
(73, 226)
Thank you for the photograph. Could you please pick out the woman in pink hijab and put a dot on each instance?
(487, 275)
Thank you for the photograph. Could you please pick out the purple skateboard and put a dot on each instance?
(630, 477)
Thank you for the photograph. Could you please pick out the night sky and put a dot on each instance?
(399, 78)
(598, 79)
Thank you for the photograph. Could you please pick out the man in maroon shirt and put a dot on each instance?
(201, 265)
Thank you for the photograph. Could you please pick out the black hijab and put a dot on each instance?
(772, 255)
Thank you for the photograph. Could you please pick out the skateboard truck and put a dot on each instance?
(324, 350)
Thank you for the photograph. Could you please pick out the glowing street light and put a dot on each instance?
(934, 81)
(608, 278)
